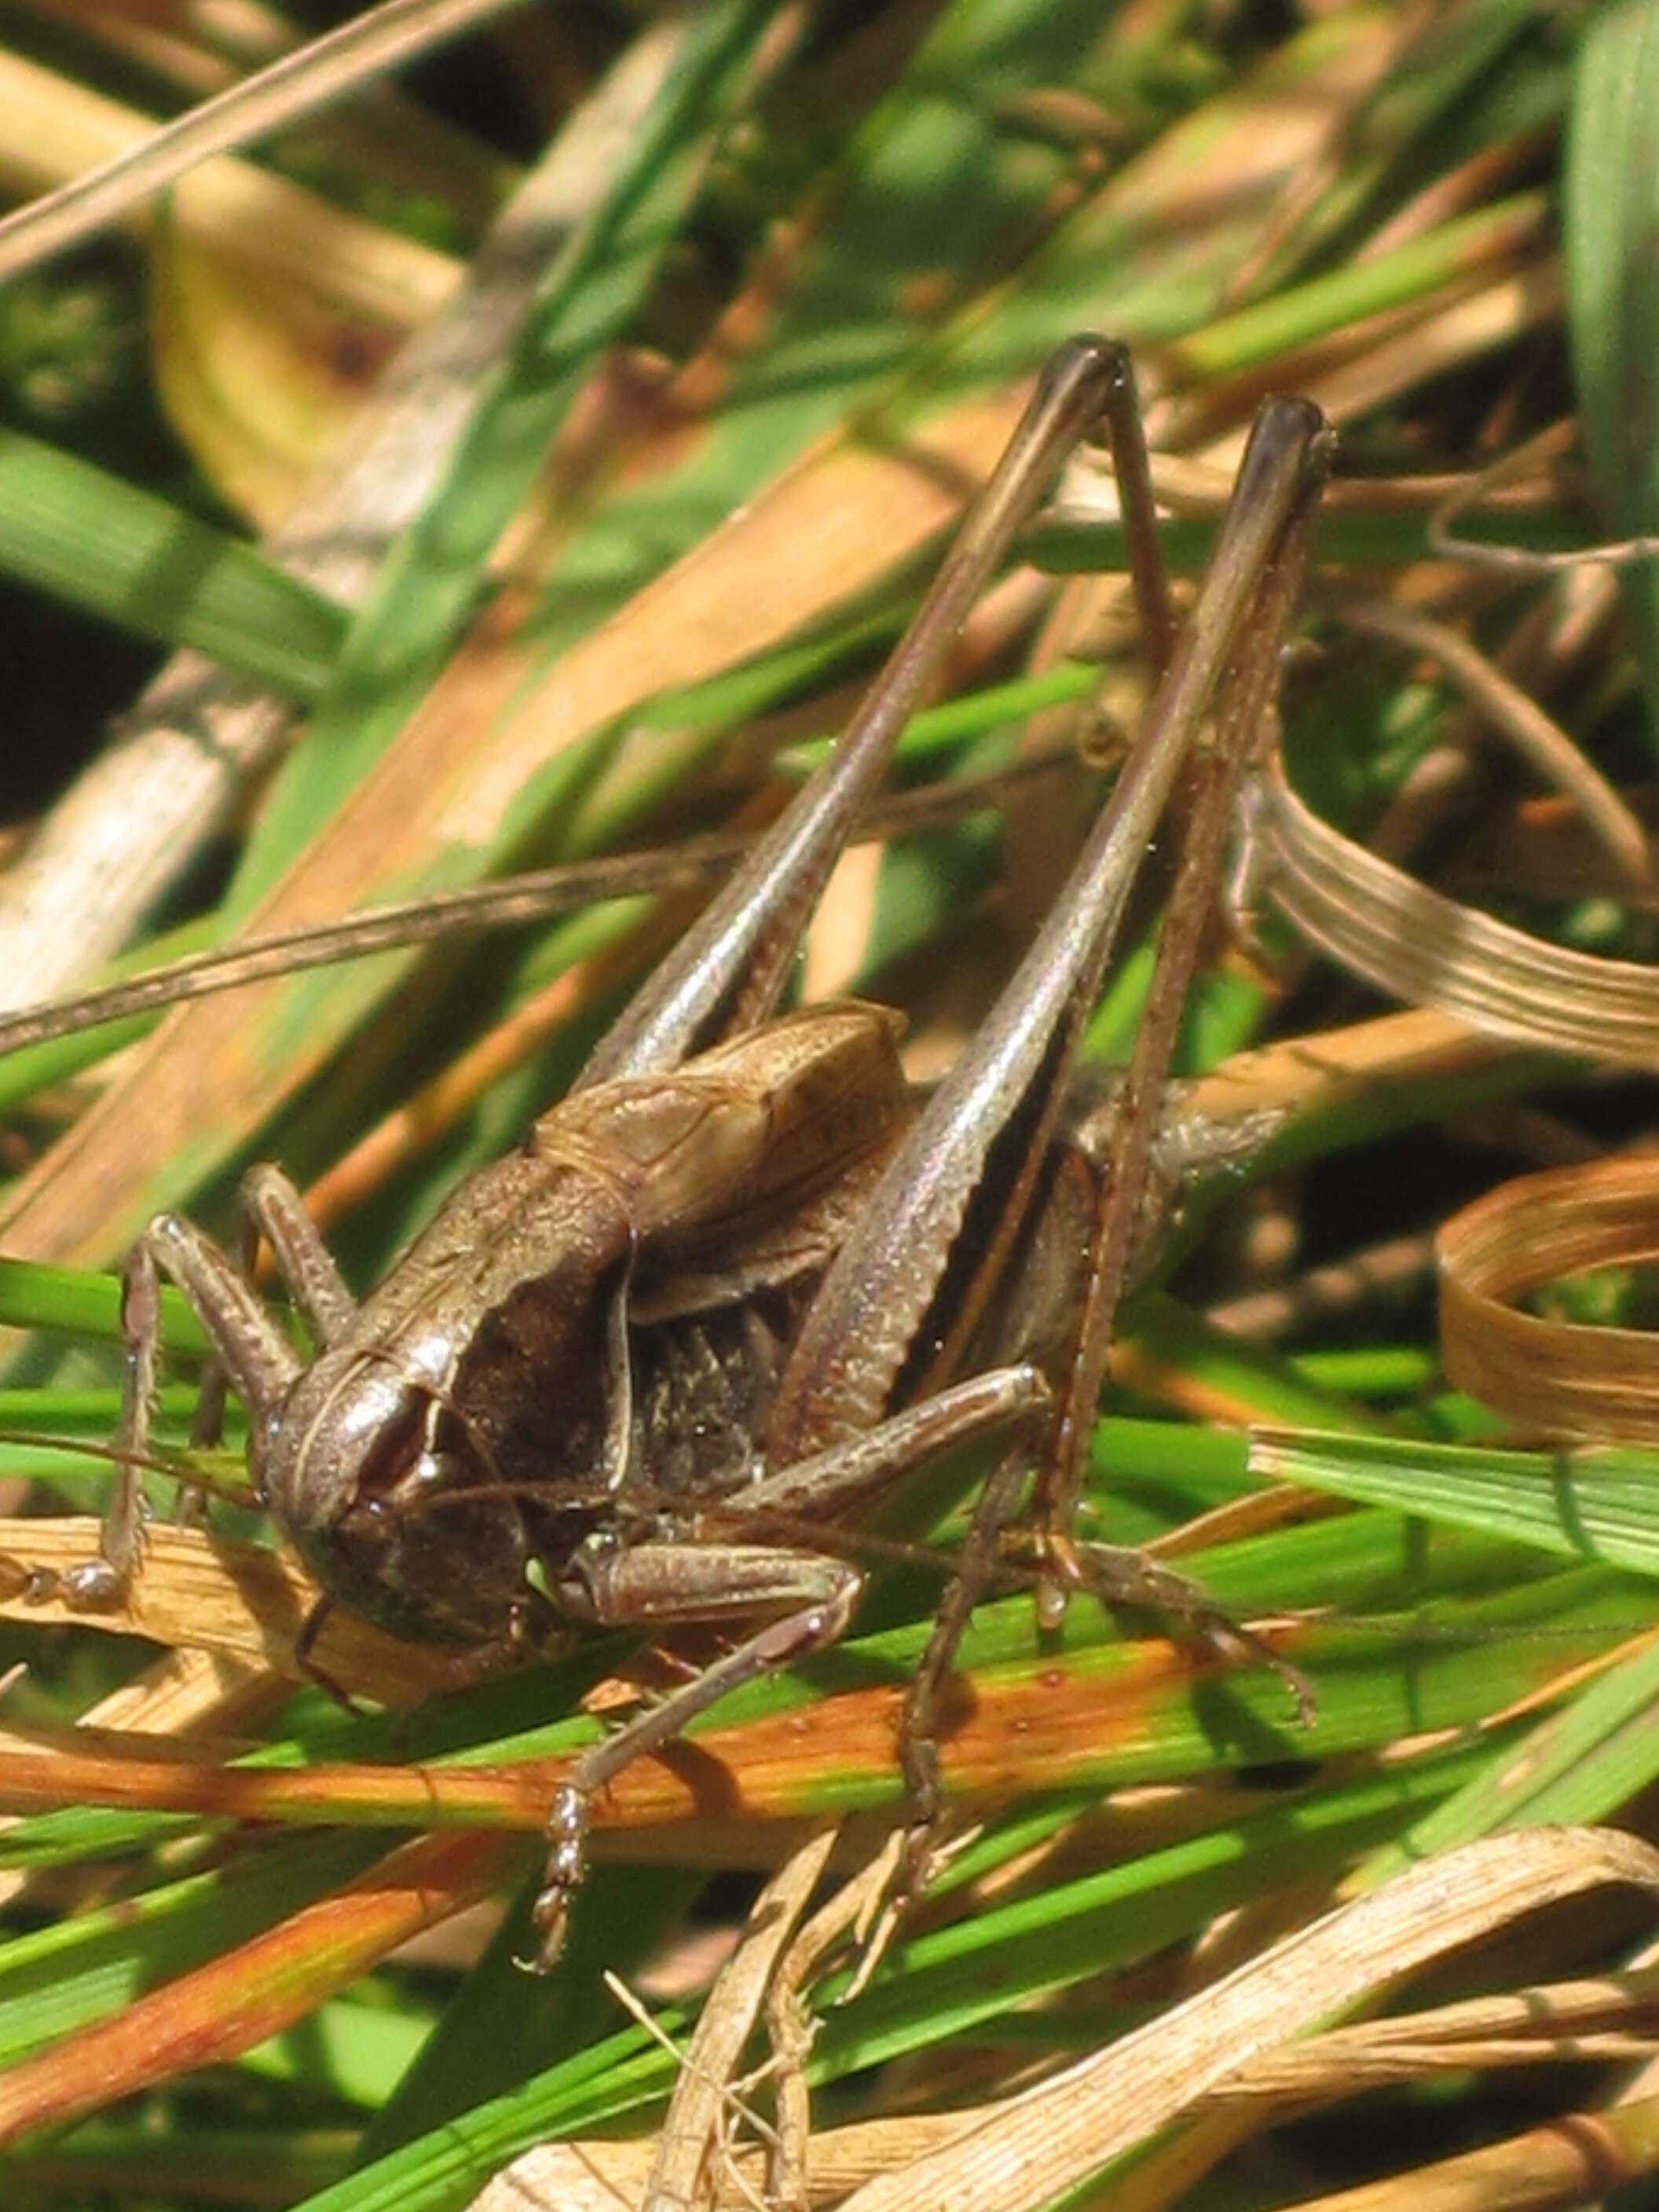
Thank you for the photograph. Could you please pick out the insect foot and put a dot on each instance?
(779, 1645)
(566, 1862)
(1118, 1576)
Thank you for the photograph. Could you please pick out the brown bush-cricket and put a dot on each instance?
(733, 1285)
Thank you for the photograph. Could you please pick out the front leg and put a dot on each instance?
(267, 1206)
(260, 1361)
(680, 1583)
(704, 1578)
(271, 1207)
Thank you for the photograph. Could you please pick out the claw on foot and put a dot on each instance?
(94, 1586)
(566, 1862)
(1063, 1571)
(94, 1583)
(1125, 1577)
(1233, 1640)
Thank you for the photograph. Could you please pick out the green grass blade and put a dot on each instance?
(1591, 1502)
(102, 545)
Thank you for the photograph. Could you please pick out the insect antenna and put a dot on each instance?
(179, 1465)
(538, 894)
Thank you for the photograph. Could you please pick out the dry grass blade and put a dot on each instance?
(1563, 2165)
(51, 127)
(1495, 484)
(234, 1599)
(1328, 1071)
(1564, 1378)
(1223, 2046)
(1028, 2150)
(297, 84)
(1419, 945)
(597, 2177)
(853, 1910)
(1617, 2016)
(694, 2128)
(1574, 2160)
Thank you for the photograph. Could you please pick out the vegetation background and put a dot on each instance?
(532, 457)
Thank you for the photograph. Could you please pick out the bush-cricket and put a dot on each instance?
(734, 1286)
